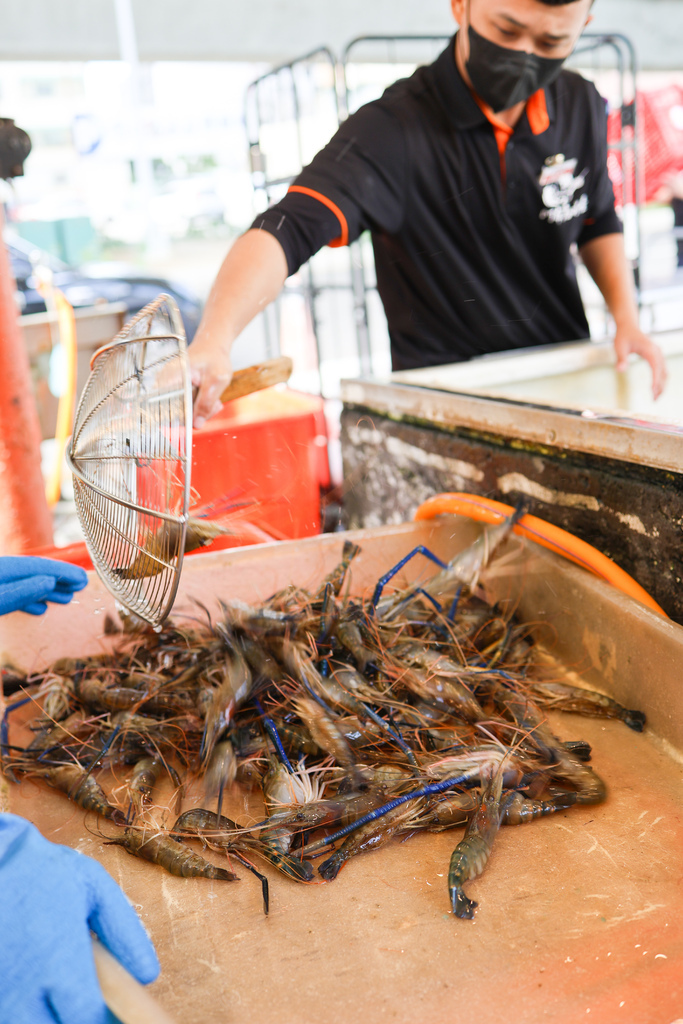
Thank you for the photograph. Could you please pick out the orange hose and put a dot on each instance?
(485, 510)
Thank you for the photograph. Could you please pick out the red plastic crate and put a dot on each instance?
(269, 450)
(266, 452)
(662, 136)
(660, 140)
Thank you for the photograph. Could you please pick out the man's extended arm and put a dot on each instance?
(357, 179)
(252, 276)
(605, 259)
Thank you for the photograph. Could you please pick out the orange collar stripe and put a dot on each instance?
(537, 113)
(501, 126)
(502, 132)
(344, 236)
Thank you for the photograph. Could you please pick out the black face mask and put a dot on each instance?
(502, 77)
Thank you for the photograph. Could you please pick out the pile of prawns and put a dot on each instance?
(360, 720)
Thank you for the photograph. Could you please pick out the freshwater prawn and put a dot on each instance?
(471, 855)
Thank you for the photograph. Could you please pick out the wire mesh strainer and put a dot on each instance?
(130, 455)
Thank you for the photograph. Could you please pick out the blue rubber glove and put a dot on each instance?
(26, 583)
(50, 899)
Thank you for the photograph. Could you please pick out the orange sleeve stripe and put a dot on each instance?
(344, 236)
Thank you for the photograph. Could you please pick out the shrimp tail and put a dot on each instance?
(463, 907)
(634, 720)
(330, 868)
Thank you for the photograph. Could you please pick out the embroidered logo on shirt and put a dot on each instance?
(559, 185)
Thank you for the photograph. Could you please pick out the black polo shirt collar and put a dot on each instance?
(456, 98)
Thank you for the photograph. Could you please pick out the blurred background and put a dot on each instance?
(160, 128)
(136, 112)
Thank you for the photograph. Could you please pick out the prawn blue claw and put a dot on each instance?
(454, 607)
(105, 749)
(391, 730)
(4, 725)
(271, 729)
(383, 580)
(468, 778)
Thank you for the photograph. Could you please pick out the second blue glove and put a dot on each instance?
(27, 583)
(52, 897)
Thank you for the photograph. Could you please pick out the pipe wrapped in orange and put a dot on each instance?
(67, 402)
(486, 510)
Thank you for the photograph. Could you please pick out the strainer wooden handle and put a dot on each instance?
(255, 378)
(128, 1000)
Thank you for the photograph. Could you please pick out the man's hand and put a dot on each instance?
(211, 372)
(52, 898)
(252, 275)
(632, 339)
(606, 261)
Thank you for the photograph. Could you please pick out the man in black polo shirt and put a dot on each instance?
(476, 177)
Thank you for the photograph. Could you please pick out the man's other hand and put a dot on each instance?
(634, 340)
(252, 275)
(211, 372)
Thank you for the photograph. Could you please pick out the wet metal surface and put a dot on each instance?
(557, 428)
(631, 513)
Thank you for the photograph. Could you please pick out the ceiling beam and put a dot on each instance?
(277, 30)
